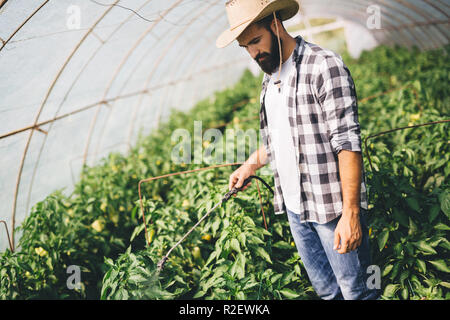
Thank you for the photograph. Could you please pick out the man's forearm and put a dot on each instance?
(350, 169)
(258, 159)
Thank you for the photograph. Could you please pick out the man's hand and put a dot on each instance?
(257, 160)
(239, 175)
(348, 233)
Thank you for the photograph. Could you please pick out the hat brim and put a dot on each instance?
(286, 8)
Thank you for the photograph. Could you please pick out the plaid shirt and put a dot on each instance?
(323, 116)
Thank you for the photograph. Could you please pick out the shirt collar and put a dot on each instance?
(296, 59)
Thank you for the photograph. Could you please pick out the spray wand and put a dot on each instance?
(225, 198)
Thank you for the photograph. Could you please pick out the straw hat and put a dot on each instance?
(241, 13)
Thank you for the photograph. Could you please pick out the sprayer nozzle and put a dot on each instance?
(161, 263)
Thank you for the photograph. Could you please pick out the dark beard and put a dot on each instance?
(272, 59)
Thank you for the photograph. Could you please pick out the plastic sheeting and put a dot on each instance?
(81, 78)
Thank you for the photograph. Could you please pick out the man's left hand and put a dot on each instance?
(348, 233)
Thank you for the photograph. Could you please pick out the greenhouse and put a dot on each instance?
(123, 123)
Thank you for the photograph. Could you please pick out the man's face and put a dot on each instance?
(262, 45)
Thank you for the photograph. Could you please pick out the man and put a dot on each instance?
(311, 137)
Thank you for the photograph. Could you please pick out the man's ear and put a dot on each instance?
(273, 26)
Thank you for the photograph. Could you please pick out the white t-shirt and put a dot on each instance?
(280, 133)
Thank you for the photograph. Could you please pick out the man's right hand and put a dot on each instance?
(239, 175)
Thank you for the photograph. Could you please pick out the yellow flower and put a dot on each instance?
(206, 144)
(370, 231)
(235, 120)
(97, 225)
(196, 253)
(28, 274)
(134, 176)
(158, 162)
(252, 100)
(121, 208)
(40, 251)
(70, 212)
(103, 207)
(141, 156)
(150, 237)
(206, 237)
(185, 203)
(292, 244)
(414, 117)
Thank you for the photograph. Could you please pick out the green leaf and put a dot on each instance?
(413, 204)
(425, 247)
(215, 226)
(434, 212)
(444, 199)
(440, 265)
(263, 254)
(289, 293)
(412, 227)
(382, 239)
(199, 294)
(445, 244)
(242, 239)
(441, 226)
(400, 216)
(238, 267)
(234, 244)
(405, 294)
(421, 265)
(390, 290)
(387, 269)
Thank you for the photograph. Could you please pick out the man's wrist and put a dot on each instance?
(351, 211)
(252, 166)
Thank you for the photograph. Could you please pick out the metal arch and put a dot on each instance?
(162, 55)
(89, 60)
(402, 25)
(200, 60)
(117, 71)
(241, 60)
(176, 67)
(180, 61)
(23, 23)
(427, 17)
(129, 78)
(409, 18)
(160, 58)
(22, 161)
(393, 17)
(433, 5)
(193, 66)
(158, 114)
(350, 13)
(173, 67)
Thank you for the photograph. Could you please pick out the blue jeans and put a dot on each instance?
(334, 276)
